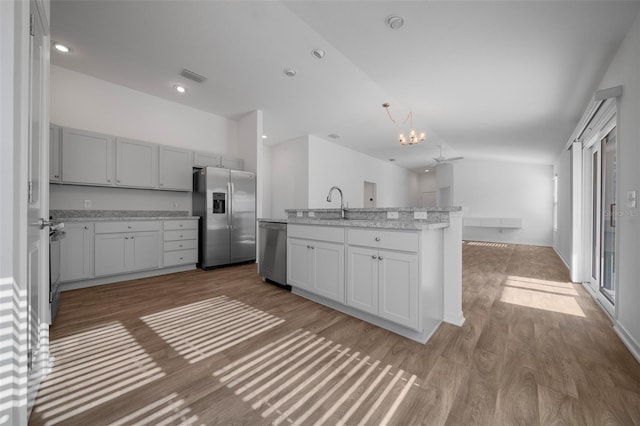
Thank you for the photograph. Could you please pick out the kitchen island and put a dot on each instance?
(397, 268)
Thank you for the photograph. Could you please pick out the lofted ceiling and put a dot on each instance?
(501, 80)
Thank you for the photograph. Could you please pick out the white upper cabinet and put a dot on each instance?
(206, 159)
(136, 163)
(87, 157)
(54, 153)
(176, 168)
(232, 163)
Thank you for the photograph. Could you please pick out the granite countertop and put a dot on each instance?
(383, 209)
(360, 223)
(119, 215)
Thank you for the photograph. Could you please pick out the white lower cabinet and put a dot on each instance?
(384, 283)
(126, 252)
(315, 260)
(180, 242)
(76, 252)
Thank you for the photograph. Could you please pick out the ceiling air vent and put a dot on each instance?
(193, 76)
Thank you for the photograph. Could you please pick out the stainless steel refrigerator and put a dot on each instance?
(225, 200)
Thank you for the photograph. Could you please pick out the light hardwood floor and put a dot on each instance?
(222, 347)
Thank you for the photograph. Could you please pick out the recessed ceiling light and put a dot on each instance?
(179, 88)
(392, 159)
(61, 47)
(334, 135)
(264, 136)
(289, 72)
(318, 53)
(394, 22)
(426, 170)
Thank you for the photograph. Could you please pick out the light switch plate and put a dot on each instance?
(419, 215)
(392, 215)
(631, 199)
(87, 204)
(298, 214)
(312, 214)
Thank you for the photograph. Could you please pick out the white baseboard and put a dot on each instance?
(562, 258)
(628, 340)
(74, 285)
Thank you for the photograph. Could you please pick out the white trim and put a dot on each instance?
(74, 285)
(628, 340)
(562, 258)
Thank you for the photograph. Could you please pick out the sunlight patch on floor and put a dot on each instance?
(202, 329)
(302, 378)
(164, 411)
(540, 294)
(486, 244)
(557, 287)
(90, 369)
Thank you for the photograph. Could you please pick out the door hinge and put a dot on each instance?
(32, 24)
(29, 360)
(30, 191)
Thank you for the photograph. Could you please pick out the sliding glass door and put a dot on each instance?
(602, 165)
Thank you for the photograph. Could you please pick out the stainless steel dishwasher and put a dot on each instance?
(273, 252)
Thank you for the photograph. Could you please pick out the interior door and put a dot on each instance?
(37, 198)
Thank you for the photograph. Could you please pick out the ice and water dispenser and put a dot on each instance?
(219, 202)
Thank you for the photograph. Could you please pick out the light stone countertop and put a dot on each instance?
(361, 223)
(119, 215)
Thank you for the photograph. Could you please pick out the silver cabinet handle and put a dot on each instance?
(380, 258)
(377, 238)
(56, 176)
(373, 256)
(180, 245)
(86, 227)
(180, 236)
(308, 247)
(162, 184)
(182, 258)
(129, 227)
(126, 238)
(132, 238)
(181, 225)
(109, 180)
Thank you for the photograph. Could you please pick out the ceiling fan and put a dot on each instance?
(443, 160)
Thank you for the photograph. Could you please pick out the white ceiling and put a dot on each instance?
(503, 80)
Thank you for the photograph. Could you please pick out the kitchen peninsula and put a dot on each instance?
(397, 268)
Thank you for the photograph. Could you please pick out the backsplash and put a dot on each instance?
(65, 214)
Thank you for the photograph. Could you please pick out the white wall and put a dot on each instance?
(625, 70)
(249, 136)
(71, 197)
(427, 188)
(331, 164)
(289, 176)
(562, 236)
(505, 189)
(85, 102)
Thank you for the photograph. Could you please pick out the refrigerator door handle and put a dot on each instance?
(229, 202)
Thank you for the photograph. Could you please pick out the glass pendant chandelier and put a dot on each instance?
(414, 137)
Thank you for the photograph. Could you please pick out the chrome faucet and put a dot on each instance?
(342, 209)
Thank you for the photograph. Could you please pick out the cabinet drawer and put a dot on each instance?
(393, 240)
(180, 245)
(334, 234)
(177, 235)
(134, 226)
(180, 224)
(180, 257)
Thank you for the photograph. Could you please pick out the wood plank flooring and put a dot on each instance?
(222, 347)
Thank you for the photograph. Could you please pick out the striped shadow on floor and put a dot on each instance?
(306, 379)
(202, 329)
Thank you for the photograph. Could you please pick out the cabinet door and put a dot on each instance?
(328, 270)
(54, 153)
(399, 288)
(113, 254)
(76, 252)
(136, 164)
(146, 250)
(298, 263)
(362, 279)
(232, 163)
(87, 157)
(176, 167)
(206, 159)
